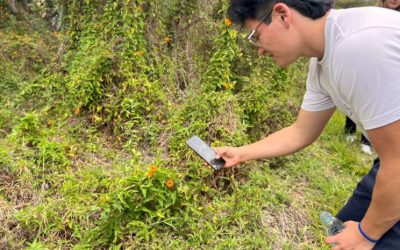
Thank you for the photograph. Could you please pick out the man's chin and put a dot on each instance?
(282, 63)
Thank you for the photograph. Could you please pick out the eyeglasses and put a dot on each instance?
(252, 38)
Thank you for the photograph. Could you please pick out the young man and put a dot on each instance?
(354, 66)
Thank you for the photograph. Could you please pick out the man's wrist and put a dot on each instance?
(374, 228)
(241, 154)
(365, 235)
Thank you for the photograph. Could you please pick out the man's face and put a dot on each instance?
(392, 4)
(276, 39)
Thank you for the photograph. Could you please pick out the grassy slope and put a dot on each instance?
(271, 205)
(51, 194)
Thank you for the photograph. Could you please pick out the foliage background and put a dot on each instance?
(98, 98)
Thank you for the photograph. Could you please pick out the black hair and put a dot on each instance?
(240, 10)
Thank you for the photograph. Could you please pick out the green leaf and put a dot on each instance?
(144, 191)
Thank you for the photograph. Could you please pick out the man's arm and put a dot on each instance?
(297, 136)
(384, 210)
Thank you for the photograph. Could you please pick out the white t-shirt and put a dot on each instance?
(360, 70)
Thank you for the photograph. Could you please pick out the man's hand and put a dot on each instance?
(349, 238)
(229, 154)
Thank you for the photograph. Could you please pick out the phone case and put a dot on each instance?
(205, 152)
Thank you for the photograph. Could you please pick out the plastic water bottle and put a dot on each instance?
(332, 224)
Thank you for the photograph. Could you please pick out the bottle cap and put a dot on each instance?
(326, 217)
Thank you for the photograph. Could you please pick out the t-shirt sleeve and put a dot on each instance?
(368, 74)
(315, 98)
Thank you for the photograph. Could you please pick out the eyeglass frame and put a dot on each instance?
(250, 37)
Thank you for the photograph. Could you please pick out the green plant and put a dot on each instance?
(142, 204)
(51, 154)
(36, 245)
(29, 128)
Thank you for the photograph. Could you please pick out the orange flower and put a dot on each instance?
(77, 111)
(153, 168)
(170, 183)
(50, 122)
(150, 174)
(228, 22)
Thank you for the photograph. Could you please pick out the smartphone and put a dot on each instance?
(205, 152)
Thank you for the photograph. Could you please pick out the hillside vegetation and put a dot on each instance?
(98, 99)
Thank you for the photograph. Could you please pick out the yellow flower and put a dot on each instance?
(228, 22)
(139, 9)
(104, 199)
(139, 53)
(167, 39)
(228, 85)
(169, 183)
(50, 122)
(77, 111)
(97, 118)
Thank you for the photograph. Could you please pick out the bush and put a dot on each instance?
(141, 205)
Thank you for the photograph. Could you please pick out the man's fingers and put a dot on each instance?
(330, 239)
(230, 159)
(220, 152)
(335, 247)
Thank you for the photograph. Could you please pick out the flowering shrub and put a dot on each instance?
(142, 202)
(220, 74)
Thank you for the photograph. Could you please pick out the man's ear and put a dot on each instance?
(282, 12)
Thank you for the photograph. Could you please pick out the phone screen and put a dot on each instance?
(205, 152)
